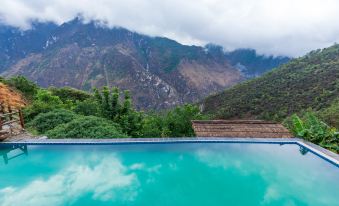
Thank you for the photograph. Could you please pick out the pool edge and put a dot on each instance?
(315, 149)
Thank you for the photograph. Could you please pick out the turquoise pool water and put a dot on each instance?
(166, 175)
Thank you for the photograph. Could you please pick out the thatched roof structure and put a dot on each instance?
(239, 128)
(9, 97)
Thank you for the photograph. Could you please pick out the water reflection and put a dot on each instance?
(274, 167)
(133, 175)
(303, 150)
(9, 152)
(91, 178)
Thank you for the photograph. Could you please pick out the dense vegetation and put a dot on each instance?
(331, 114)
(311, 81)
(311, 128)
(49, 120)
(107, 113)
(87, 127)
(307, 86)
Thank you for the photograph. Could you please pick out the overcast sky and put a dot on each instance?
(279, 27)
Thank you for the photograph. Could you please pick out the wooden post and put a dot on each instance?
(2, 108)
(1, 112)
(10, 113)
(22, 122)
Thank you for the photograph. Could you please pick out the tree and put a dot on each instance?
(70, 94)
(178, 120)
(88, 107)
(153, 125)
(122, 113)
(43, 102)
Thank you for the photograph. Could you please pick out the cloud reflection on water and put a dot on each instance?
(288, 176)
(106, 179)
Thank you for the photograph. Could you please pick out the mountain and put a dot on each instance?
(247, 61)
(311, 81)
(252, 64)
(159, 72)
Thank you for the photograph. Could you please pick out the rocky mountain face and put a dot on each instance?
(159, 72)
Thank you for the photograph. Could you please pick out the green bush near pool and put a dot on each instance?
(47, 121)
(87, 127)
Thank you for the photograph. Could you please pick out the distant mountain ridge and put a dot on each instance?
(159, 72)
(248, 61)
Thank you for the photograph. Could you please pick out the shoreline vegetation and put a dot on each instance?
(109, 113)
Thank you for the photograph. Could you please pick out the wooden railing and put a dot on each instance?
(9, 117)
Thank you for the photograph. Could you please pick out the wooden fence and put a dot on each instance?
(9, 117)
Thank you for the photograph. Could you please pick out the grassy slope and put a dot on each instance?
(311, 81)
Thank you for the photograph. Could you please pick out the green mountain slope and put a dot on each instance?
(311, 81)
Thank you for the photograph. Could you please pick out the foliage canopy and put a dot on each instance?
(87, 127)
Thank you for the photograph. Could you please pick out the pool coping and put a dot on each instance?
(315, 149)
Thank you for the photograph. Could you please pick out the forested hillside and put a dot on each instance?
(311, 81)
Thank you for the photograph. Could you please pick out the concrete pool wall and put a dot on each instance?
(315, 149)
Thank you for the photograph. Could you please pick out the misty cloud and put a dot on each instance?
(288, 27)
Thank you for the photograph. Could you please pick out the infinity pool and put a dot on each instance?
(177, 174)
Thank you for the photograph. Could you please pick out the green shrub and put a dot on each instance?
(121, 112)
(43, 102)
(47, 121)
(88, 107)
(178, 121)
(314, 130)
(175, 123)
(69, 94)
(87, 127)
(153, 126)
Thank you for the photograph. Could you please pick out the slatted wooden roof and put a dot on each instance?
(9, 97)
(240, 128)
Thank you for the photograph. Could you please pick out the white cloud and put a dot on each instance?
(289, 27)
(106, 179)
